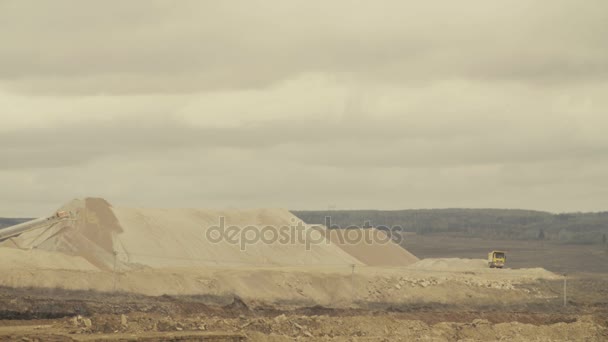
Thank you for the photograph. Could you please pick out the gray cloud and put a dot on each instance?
(75, 47)
(391, 104)
(350, 143)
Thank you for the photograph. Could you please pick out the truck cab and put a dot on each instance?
(497, 259)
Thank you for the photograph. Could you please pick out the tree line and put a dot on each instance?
(7, 222)
(513, 224)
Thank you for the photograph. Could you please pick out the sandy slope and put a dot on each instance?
(178, 237)
(372, 247)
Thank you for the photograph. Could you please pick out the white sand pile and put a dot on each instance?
(372, 247)
(123, 238)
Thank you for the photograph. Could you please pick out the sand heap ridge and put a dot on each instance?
(125, 238)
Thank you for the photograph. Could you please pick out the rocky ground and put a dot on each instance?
(294, 326)
(60, 315)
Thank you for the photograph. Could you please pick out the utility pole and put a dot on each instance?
(352, 283)
(565, 288)
(114, 271)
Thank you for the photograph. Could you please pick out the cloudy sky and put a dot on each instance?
(304, 104)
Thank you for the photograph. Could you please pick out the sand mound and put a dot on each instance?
(125, 238)
(372, 247)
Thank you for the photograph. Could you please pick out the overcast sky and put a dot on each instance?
(304, 104)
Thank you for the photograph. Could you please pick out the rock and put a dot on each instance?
(307, 334)
(165, 325)
(75, 321)
(202, 327)
(398, 287)
(478, 322)
(123, 321)
(280, 318)
(87, 323)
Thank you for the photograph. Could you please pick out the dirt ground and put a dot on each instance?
(433, 300)
(31, 314)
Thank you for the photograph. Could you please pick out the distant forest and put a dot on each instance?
(569, 228)
(7, 222)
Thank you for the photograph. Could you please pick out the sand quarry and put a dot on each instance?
(109, 252)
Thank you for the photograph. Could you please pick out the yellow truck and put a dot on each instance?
(497, 259)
